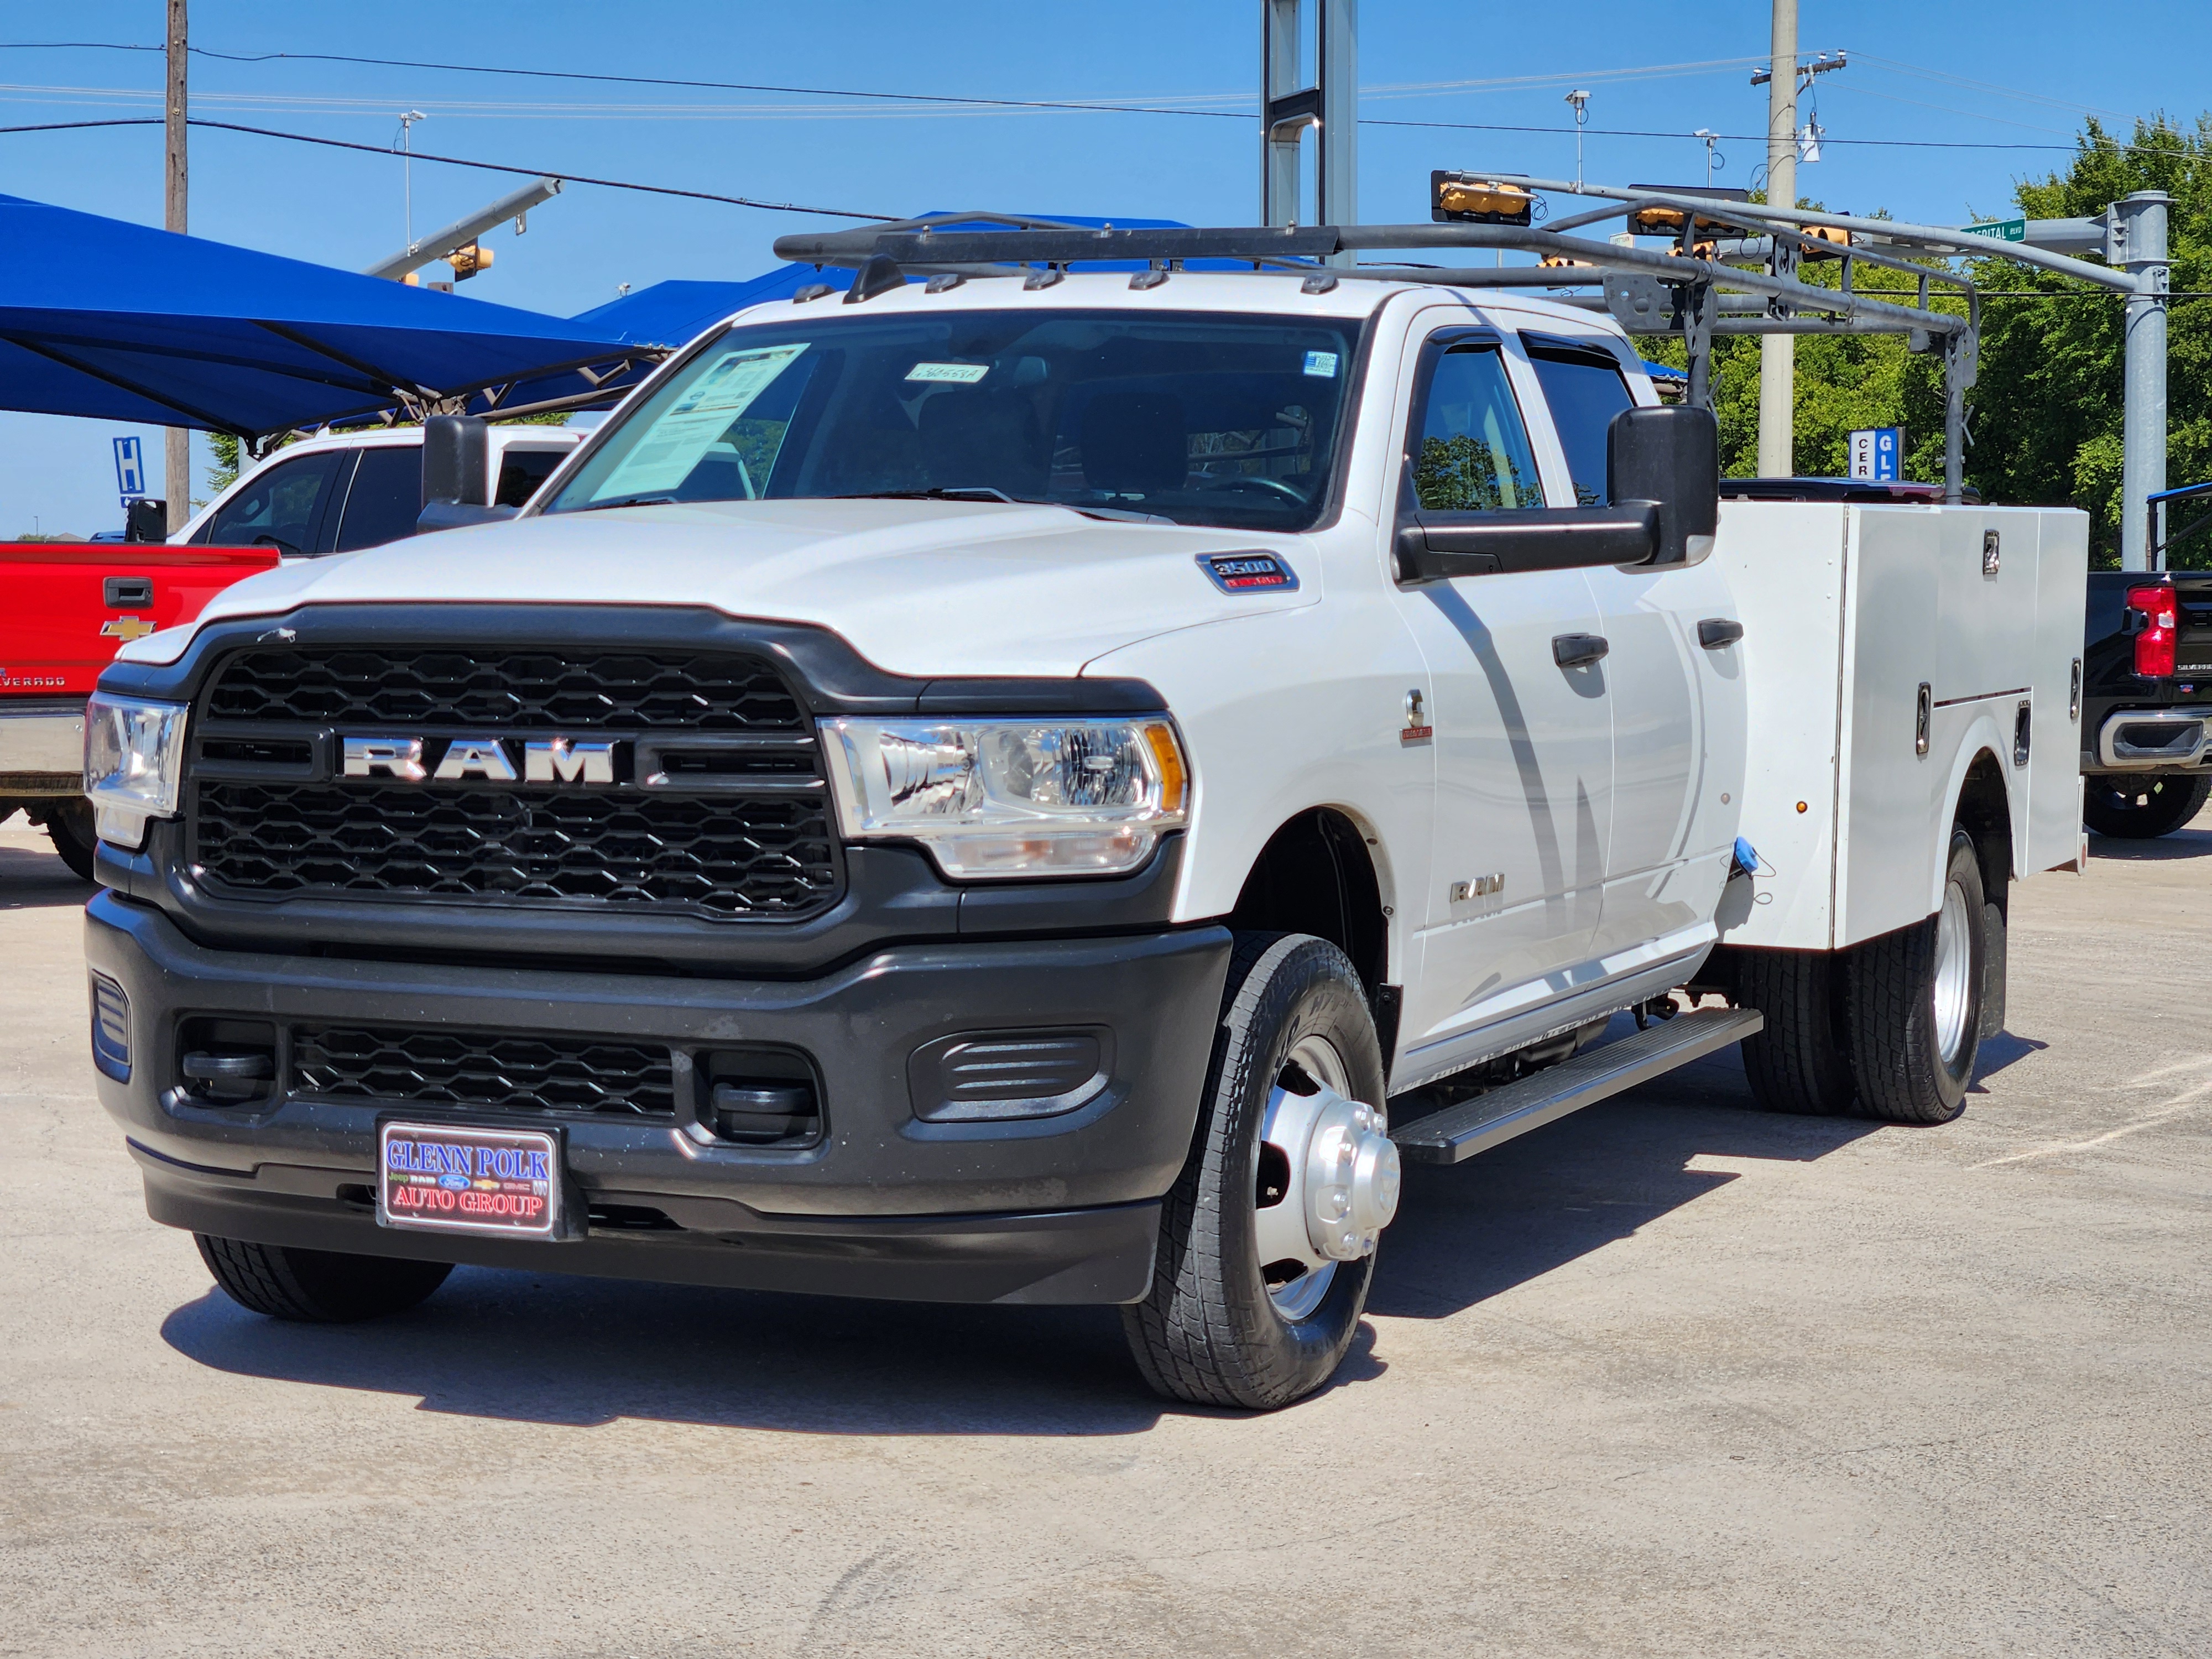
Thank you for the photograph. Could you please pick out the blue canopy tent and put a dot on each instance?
(119, 321)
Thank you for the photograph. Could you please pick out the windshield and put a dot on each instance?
(1200, 418)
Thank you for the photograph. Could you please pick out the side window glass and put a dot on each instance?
(386, 498)
(1468, 449)
(283, 508)
(1584, 390)
(522, 470)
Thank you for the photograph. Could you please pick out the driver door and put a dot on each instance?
(1524, 745)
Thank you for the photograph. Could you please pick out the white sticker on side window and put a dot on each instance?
(665, 456)
(1321, 365)
(957, 373)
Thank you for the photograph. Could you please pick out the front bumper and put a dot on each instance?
(1061, 1208)
(41, 748)
(2153, 739)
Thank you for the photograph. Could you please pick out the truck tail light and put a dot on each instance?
(2153, 603)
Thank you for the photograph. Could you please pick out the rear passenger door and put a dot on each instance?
(1523, 747)
(1649, 616)
(385, 499)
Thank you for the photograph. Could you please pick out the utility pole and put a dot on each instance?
(1580, 100)
(1778, 356)
(177, 442)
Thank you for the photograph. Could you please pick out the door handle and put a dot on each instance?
(1715, 632)
(1578, 650)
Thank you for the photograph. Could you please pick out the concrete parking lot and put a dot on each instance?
(1670, 1376)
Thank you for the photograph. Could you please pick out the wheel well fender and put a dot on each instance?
(1981, 807)
(1317, 875)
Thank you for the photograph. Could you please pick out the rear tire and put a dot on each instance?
(1913, 1004)
(1211, 1332)
(70, 827)
(1801, 1061)
(317, 1287)
(2141, 807)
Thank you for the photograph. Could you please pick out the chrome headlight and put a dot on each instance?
(1011, 798)
(134, 762)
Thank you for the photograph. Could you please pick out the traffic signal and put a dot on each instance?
(1477, 198)
(467, 261)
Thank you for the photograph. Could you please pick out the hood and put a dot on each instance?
(920, 588)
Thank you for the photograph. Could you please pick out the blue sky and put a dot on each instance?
(1956, 74)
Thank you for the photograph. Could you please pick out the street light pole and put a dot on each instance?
(176, 441)
(1777, 358)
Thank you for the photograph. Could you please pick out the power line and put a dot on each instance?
(459, 161)
(1142, 107)
(633, 80)
(1136, 106)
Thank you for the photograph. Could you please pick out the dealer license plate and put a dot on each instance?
(444, 1178)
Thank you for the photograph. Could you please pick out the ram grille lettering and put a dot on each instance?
(552, 760)
(397, 757)
(548, 760)
(477, 757)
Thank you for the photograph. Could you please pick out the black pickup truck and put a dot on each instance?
(2146, 692)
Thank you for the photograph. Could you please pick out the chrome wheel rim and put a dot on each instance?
(1327, 1183)
(1954, 964)
(1315, 1056)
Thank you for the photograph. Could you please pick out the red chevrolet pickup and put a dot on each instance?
(64, 611)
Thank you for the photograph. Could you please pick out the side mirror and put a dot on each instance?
(457, 460)
(146, 521)
(1670, 456)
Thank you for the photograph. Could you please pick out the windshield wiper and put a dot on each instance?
(938, 493)
(991, 493)
(625, 501)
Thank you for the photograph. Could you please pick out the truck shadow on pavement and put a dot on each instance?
(1468, 1232)
(32, 878)
(552, 1348)
(2194, 841)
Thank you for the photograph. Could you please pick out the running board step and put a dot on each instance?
(1498, 1114)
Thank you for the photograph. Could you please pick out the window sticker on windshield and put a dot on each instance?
(957, 373)
(663, 458)
(1321, 365)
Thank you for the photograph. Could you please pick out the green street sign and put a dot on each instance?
(2002, 230)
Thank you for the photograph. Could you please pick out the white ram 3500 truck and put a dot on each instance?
(1037, 792)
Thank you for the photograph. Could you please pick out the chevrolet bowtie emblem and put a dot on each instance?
(127, 627)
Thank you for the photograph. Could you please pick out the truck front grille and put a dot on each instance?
(484, 1070)
(562, 690)
(715, 805)
(725, 854)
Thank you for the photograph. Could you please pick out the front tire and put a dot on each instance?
(1221, 1326)
(1913, 1001)
(2144, 807)
(317, 1287)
